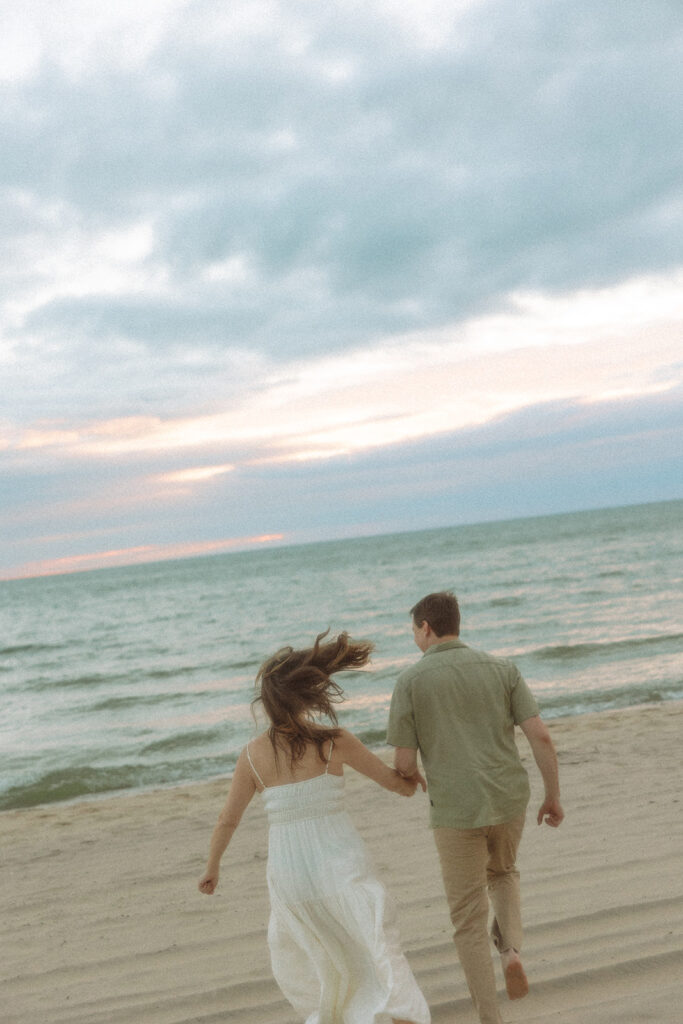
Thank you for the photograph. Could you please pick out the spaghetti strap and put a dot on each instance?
(329, 756)
(263, 785)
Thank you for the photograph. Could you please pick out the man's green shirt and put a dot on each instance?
(459, 707)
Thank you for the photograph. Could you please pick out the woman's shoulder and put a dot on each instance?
(255, 757)
(262, 739)
(257, 744)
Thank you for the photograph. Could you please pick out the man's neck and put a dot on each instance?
(433, 640)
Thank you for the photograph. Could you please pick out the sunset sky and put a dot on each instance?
(275, 272)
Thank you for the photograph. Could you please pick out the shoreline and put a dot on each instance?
(102, 922)
(380, 749)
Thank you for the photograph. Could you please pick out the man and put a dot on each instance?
(459, 707)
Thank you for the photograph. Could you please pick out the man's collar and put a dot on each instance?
(447, 645)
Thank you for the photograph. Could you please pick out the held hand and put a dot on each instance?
(208, 883)
(550, 811)
(415, 779)
(404, 787)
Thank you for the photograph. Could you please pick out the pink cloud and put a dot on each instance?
(136, 555)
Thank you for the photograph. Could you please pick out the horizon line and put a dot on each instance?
(152, 554)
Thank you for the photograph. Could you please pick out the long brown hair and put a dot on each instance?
(296, 684)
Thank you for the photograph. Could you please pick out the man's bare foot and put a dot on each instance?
(516, 983)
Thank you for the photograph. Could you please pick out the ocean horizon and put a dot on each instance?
(130, 677)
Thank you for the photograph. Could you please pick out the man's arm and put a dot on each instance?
(543, 749)
(405, 763)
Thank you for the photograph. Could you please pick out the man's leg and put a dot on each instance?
(503, 886)
(463, 854)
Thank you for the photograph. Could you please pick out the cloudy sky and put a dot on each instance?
(273, 272)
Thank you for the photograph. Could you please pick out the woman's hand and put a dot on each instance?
(415, 779)
(208, 883)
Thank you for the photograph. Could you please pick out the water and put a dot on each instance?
(126, 678)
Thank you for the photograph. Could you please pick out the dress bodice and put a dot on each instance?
(299, 801)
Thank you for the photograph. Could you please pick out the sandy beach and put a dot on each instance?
(101, 919)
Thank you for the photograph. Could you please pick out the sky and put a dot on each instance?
(279, 272)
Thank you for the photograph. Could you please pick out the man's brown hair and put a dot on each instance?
(441, 611)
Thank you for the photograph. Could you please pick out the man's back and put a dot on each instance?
(459, 706)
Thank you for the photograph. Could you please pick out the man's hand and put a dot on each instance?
(543, 749)
(405, 787)
(405, 763)
(550, 811)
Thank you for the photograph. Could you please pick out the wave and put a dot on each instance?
(134, 701)
(69, 784)
(87, 681)
(372, 737)
(29, 648)
(571, 652)
(82, 782)
(564, 705)
(214, 668)
(170, 673)
(184, 741)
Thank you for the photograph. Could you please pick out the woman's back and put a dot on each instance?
(303, 791)
(276, 769)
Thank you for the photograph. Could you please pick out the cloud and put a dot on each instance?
(142, 553)
(367, 178)
(584, 347)
(194, 474)
(540, 459)
(551, 405)
(242, 244)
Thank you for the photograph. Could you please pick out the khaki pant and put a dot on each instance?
(478, 864)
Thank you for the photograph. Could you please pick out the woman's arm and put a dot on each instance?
(241, 791)
(354, 753)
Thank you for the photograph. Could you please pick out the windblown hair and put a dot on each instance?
(296, 685)
(441, 611)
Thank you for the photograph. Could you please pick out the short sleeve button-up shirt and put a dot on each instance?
(458, 707)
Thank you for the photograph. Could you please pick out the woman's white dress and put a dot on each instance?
(334, 944)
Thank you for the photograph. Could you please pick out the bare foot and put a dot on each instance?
(516, 982)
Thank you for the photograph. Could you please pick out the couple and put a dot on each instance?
(332, 934)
